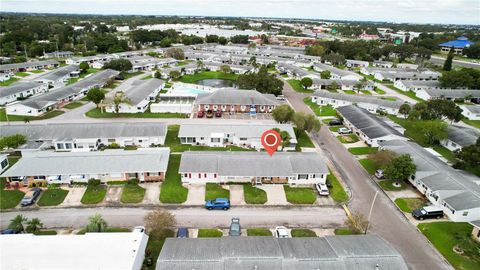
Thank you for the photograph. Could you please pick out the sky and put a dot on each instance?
(410, 11)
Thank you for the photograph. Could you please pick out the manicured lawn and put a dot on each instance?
(350, 92)
(300, 195)
(362, 150)
(389, 98)
(51, 114)
(94, 194)
(475, 123)
(447, 154)
(410, 94)
(337, 192)
(320, 110)
(82, 75)
(108, 230)
(303, 233)
(172, 190)
(409, 204)
(214, 190)
(9, 198)
(388, 185)
(52, 196)
(369, 165)
(147, 77)
(259, 232)
(9, 81)
(45, 232)
(36, 71)
(128, 75)
(327, 120)
(366, 92)
(73, 105)
(97, 113)
(254, 195)
(379, 91)
(343, 231)
(153, 248)
(335, 128)
(209, 233)
(22, 74)
(297, 86)
(208, 75)
(132, 193)
(445, 235)
(303, 140)
(350, 138)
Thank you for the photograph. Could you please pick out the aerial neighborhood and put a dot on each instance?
(324, 144)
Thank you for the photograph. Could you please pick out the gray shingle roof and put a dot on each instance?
(57, 74)
(462, 136)
(236, 97)
(359, 99)
(28, 65)
(453, 93)
(17, 88)
(337, 71)
(472, 108)
(415, 83)
(141, 89)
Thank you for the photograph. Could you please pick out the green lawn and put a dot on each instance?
(303, 233)
(447, 154)
(409, 204)
(45, 232)
(259, 232)
(208, 75)
(300, 195)
(214, 190)
(366, 92)
(73, 105)
(445, 235)
(94, 194)
(22, 74)
(474, 123)
(350, 92)
(254, 195)
(297, 86)
(147, 77)
(389, 98)
(9, 198)
(369, 165)
(153, 250)
(337, 192)
(209, 233)
(36, 71)
(172, 190)
(388, 185)
(97, 113)
(343, 231)
(410, 93)
(303, 140)
(132, 193)
(335, 128)
(362, 150)
(108, 230)
(9, 81)
(379, 91)
(412, 130)
(350, 138)
(82, 75)
(52, 196)
(320, 110)
(48, 115)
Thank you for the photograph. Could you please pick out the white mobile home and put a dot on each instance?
(140, 94)
(20, 91)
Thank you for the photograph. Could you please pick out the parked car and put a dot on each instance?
(218, 113)
(209, 114)
(9, 231)
(31, 197)
(235, 228)
(322, 189)
(344, 130)
(335, 122)
(281, 232)
(182, 232)
(427, 212)
(379, 174)
(218, 203)
(200, 114)
(281, 97)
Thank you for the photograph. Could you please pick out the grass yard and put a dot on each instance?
(36, 71)
(147, 77)
(254, 195)
(97, 113)
(9, 81)
(389, 98)
(94, 194)
(447, 154)
(214, 190)
(172, 190)
(368, 165)
(350, 92)
(22, 74)
(297, 86)
(209, 233)
(45, 232)
(379, 91)
(337, 192)
(362, 150)
(132, 193)
(366, 92)
(409, 94)
(259, 232)
(9, 198)
(73, 105)
(300, 195)
(409, 204)
(343, 231)
(350, 138)
(335, 128)
(388, 185)
(327, 120)
(208, 75)
(320, 110)
(474, 123)
(108, 230)
(153, 250)
(52, 196)
(303, 233)
(446, 235)
(48, 115)
(303, 140)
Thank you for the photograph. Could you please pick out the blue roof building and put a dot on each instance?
(459, 44)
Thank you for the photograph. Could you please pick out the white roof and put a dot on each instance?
(116, 251)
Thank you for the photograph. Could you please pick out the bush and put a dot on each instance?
(133, 182)
(94, 182)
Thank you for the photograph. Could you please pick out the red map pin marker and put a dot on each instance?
(270, 141)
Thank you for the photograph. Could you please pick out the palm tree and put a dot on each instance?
(17, 223)
(33, 225)
(284, 136)
(96, 224)
(118, 98)
(200, 65)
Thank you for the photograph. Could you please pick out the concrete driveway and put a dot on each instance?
(152, 193)
(113, 194)
(236, 195)
(74, 196)
(196, 195)
(275, 195)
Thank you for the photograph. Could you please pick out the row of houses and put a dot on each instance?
(28, 66)
(400, 74)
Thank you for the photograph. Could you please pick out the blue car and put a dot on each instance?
(218, 203)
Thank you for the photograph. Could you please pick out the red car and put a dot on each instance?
(200, 114)
(218, 113)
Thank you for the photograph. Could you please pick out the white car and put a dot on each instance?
(281, 232)
(281, 97)
(322, 189)
(379, 174)
(344, 130)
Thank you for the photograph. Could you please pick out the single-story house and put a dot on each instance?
(244, 135)
(4, 77)
(457, 45)
(58, 54)
(382, 64)
(236, 101)
(3, 163)
(20, 91)
(357, 63)
(237, 69)
(294, 71)
(471, 112)
(369, 127)
(330, 252)
(140, 94)
(459, 137)
(427, 94)
(146, 164)
(376, 69)
(187, 69)
(405, 76)
(476, 230)
(337, 73)
(342, 84)
(81, 137)
(121, 251)
(416, 85)
(294, 168)
(456, 192)
(58, 77)
(26, 66)
(94, 61)
(407, 66)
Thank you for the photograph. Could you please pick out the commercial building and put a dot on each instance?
(457, 45)
(236, 101)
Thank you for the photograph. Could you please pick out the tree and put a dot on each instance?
(472, 51)
(174, 74)
(315, 50)
(325, 74)
(95, 95)
(84, 67)
(447, 65)
(222, 41)
(17, 223)
(469, 156)
(400, 168)
(253, 61)
(176, 53)
(12, 141)
(225, 69)
(34, 225)
(118, 64)
(285, 136)
(211, 39)
(96, 223)
(463, 78)
(200, 65)
(433, 131)
(157, 74)
(283, 113)
(262, 81)
(334, 58)
(382, 157)
(159, 224)
(357, 223)
(405, 109)
(333, 86)
(166, 42)
(239, 39)
(306, 82)
(118, 98)
(361, 84)
(305, 122)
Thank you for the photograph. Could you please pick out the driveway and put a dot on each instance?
(113, 194)
(73, 197)
(275, 194)
(196, 195)
(152, 193)
(236, 195)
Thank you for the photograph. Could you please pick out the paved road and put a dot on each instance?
(195, 217)
(386, 221)
(437, 60)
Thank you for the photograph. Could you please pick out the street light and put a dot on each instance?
(370, 213)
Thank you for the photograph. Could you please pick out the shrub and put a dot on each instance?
(94, 182)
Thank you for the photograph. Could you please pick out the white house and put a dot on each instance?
(140, 94)
(4, 77)
(405, 76)
(357, 63)
(294, 168)
(20, 91)
(337, 73)
(459, 137)
(320, 84)
(416, 86)
(3, 163)
(450, 94)
(382, 64)
(28, 66)
(471, 112)
(220, 135)
(58, 77)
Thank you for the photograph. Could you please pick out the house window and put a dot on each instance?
(189, 175)
(243, 139)
(199, 175)
(214, 175)
(465, 213)
(111, 140)
(205, 175)
(60, 146)
(185, 175)
(302, 176)
(215, 140)
(68, 146)
(4, 163)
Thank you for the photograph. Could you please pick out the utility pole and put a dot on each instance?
(370, 213)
